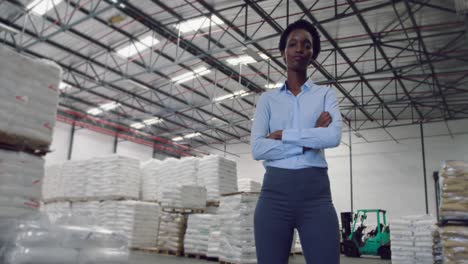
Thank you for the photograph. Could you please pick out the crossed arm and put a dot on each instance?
(282, 144)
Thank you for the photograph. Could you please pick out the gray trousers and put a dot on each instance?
(298, 199)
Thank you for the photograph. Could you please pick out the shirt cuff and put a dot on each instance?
(290, 135)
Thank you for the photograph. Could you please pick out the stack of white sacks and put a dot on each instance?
(28, 98)
(20, 183)
(108, 177)
(40, 240)
(137, 221)
(184, 196)
(237, 243)
(249, 185)
(412, 239)
(218, 175)
(150, 180)
(172, 231)
(197, 235)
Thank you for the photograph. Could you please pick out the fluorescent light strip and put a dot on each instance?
(273, 85)
(191, 75)
(63, 85)
(137, 125)
(244, 59)
(192, 135)
(198, 23)
(104, 107)
(240, 93)
(40, 7)
(152, 121)
(137, 46)
(178, 139)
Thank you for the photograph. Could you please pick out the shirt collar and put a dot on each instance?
(307, 86)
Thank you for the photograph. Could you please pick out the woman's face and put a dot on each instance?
(298, 52)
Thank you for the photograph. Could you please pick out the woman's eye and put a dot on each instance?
(292, 44)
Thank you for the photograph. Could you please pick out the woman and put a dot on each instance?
(292, 127)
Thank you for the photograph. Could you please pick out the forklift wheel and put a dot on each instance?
(350, 249)
(385, 252)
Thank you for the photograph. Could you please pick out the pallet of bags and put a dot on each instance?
(21, 175)
(137, 221)
(184, 196)
(402, 239)
(66, 240)
(150, 180)
(197, 235)
(103, 178)
(29, 90)
(172, 232)
(237, 242)
(454, 191)
(249, 185)
(454, 240)
(218, 175)
(423, 239)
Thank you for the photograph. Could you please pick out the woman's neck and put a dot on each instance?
(295, 81)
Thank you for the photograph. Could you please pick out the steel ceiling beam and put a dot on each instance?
(70, 51)
(377, 44)
(428, 58)
(342, 53)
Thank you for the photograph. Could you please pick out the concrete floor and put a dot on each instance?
(146, 258)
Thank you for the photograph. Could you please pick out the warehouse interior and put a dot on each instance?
(166, 89)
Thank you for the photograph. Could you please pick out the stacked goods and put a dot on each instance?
(197, 236)
(168, 171)
(454, 190)
(237, 243)
(187, 171)
(150, 180)
(184, 196)
(171, 232)
(28, 100)
(56, 210)
(213, 244)
(40, 240)
(454, 240)
(103, 178)
(218, 175)
(402, 238)
(52, 184)
(412, 239)
(438, 247)
(423, 239)
(137, 221)
(20, 183)
(248, 185)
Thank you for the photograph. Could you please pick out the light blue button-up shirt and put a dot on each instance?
(296, 115)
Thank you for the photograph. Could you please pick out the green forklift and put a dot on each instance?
(357, 242)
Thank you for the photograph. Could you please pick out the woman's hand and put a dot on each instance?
(277, 135)
(324, 120)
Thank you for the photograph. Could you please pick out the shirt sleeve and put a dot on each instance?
(321, 137)
(264, 148)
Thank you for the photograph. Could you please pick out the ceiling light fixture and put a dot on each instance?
(104, 107)
(198, 23)
(137, 125)
(191, 75)
(244, 59)
(273, 85)
(137, 46)
(178, 139)
(240, 93)
(152, 121)
(40, 7)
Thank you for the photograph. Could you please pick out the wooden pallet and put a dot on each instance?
(237, 193)
(183, 210)
(147, 250)
(12, 143)
(199, 256)
(455, 222)
(89, 199)
(170, 252)
(212, 204)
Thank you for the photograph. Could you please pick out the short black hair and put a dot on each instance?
(306, 25)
